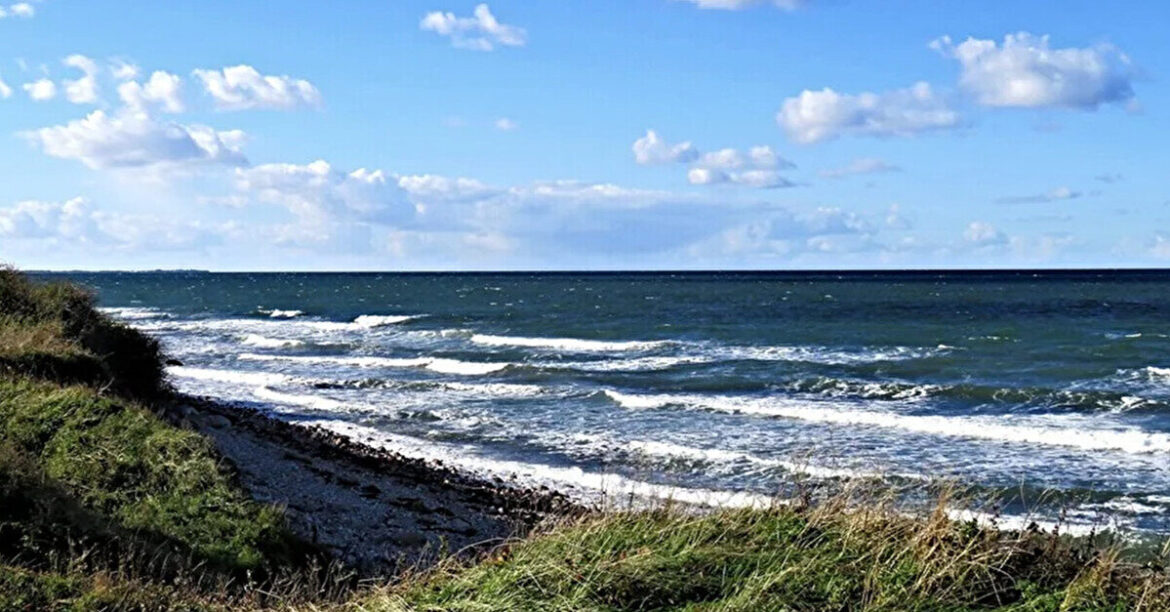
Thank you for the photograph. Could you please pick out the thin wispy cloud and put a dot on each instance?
(480, 32)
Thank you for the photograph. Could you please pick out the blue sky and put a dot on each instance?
(612, 134)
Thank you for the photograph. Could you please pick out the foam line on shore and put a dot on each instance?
(572, 481)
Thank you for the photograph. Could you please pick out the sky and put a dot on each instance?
(572, 135)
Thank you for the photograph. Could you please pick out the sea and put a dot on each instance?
(1043, 396)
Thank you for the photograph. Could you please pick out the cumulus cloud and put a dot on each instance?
(5, 90)
(1025, 71)
(124, 70)
(36, 219)
(133, 139)
(861, 165)
(243, 87)
(1053, 195)
(981, 233)
(652, 149)
(815, 116)
(78, 222)
(735, 5)
(480, 32)
(41, 90)
(757, 167)
(162, 89)
(83, 90)
(505, 124)
(320, 195)
(20, 9)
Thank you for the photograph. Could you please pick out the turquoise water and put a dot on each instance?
(1049, 391)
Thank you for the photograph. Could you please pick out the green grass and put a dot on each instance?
(101, 500)
(831, 558)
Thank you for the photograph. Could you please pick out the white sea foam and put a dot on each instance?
(129, 313)
(1068, 430)
(285, 314)
(568, 344)
(313, 402)
(382, 320)
(445, 366)
(825, 355)
(569, 480)
(265, 342)
(716, 455)
(230, 376)
(634, 364)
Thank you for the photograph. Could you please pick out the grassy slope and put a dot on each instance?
(100, 497)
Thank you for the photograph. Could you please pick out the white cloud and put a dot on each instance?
(36, 219)
(815, 116)
(757, 167)
(41, 90)
(77, 222)
(5, 90)
(652, 149)
(133, 140)
(20, 9)
(243, 87)
(505, 124)
(124, 70)
(1052, 195)
(735, 5)
(163, 89)
(1026, 72)
(981, 233)
(321, 196)
(481, 32)
(435, 188)
(85, 89)
(861, 165)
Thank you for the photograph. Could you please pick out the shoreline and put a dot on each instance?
(375, 510)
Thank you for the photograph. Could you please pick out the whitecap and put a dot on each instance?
(445, 366)
(265, 342)
(568, 344)
(229, 376)
(130, 313)
(369, 321)
(313, 402)
(285, 314)
(1068, 430)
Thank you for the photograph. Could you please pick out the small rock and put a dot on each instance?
(412, 540)
(174, 362)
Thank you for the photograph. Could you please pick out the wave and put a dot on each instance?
(1081, 433)
(284, 314)
(826, 355)
(569, 344)
(573, 481)
(444, 366)
(313, 402)
(230, 376)
(369, 321)
(265, 342)
(636, 364)
(130, 313)
(715, 455)
(1076, 396)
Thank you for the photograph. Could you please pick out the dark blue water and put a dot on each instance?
(716, 387)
